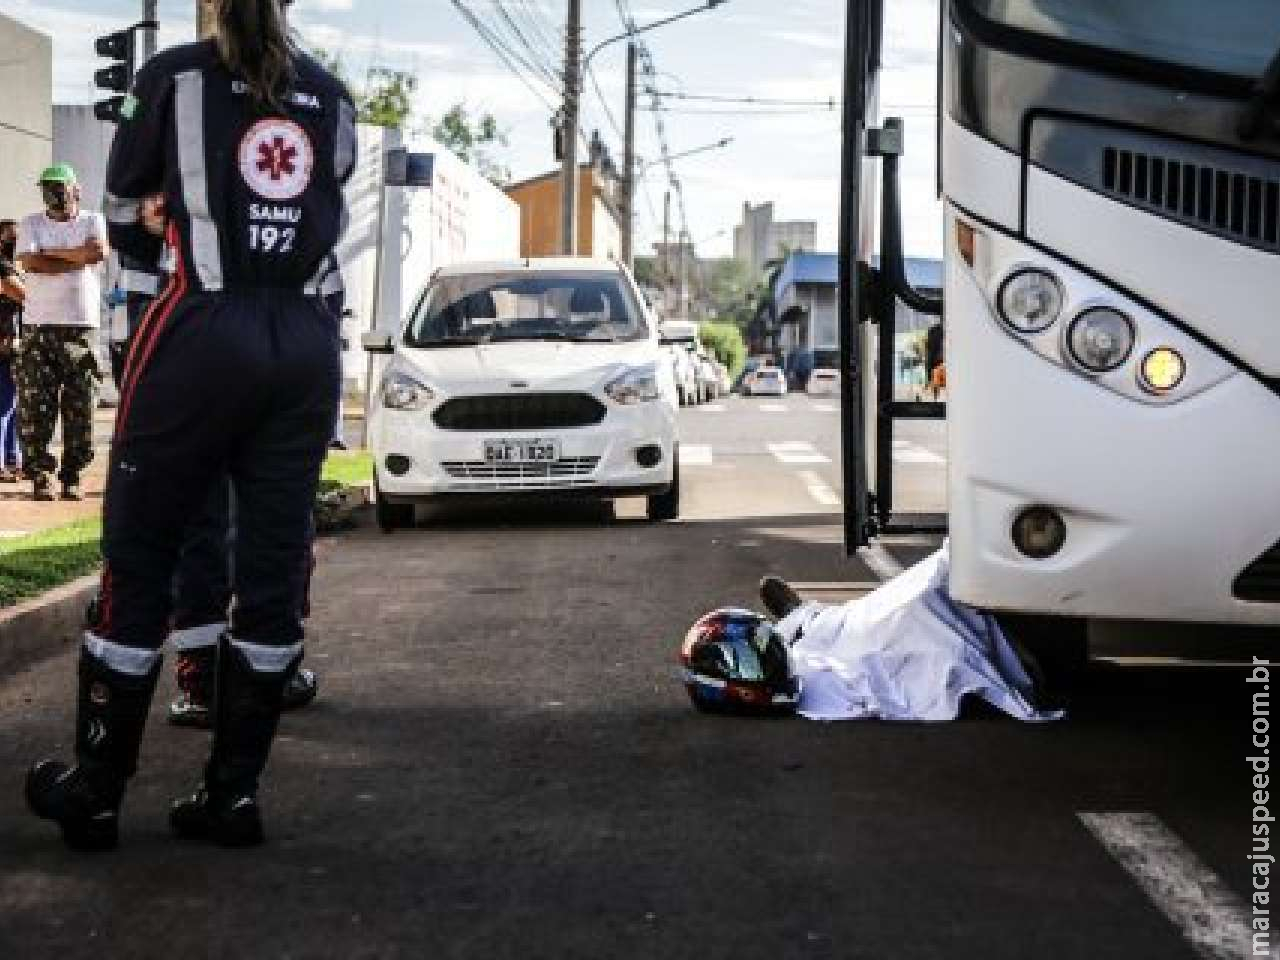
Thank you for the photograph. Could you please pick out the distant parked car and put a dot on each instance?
(726, 380)
(823, 382)
(766, 382)
(708, 377)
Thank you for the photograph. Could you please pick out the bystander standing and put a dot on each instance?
(12, 293)
(59, 248)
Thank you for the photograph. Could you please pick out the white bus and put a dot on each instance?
(1110, 171)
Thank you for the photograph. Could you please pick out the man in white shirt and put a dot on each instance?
(60, 249)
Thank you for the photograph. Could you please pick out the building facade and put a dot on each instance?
(599, 214)
(26, 115)
(760, 238)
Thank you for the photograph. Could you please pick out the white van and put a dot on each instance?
(540, 377)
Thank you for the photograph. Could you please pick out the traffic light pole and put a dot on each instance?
(149, 15)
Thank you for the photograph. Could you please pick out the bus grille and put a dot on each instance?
(1230, 201)
(525, 411)
(1260, 581)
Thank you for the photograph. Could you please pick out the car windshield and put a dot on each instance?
(1224, 36)
(495, 307)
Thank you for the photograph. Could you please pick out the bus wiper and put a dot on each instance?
(1266, 94)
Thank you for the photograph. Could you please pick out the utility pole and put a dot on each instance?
(666, 248)
(572, 91)
(149, 14)
(629, 163)
(204, 20)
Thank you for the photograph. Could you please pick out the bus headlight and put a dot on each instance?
(1030, 300)
(1162, 370)
(1101, 339)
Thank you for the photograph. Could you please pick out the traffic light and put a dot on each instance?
(117, 77)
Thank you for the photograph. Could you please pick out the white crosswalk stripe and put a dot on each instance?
(1205, 910)
(797, 452)
(695, 455)
(818, 489)
(712, 408)
(773, 408)
(826, 408)
(904, 451)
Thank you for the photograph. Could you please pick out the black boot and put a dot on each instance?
(224, 810)
(84, 799)
(779, 597)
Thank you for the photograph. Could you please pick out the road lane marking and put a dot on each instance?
(773, 408)
(818, 489)
(1207, 913)
(826, 408)
(881, 562)
(904, 451)
(797, 452)
(695, 455)
(712, 408)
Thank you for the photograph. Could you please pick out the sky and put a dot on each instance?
(788, 50)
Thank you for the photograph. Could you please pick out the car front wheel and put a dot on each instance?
(666, 506)
(392, 516)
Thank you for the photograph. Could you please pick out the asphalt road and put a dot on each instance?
(503, 764)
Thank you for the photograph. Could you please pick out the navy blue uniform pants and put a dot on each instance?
(235, 385)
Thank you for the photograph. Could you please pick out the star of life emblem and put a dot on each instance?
(276, 159)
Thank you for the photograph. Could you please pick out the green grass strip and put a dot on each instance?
(36, 562)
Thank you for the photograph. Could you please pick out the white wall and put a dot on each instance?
(26, 97)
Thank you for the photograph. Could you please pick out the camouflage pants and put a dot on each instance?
(56, 370)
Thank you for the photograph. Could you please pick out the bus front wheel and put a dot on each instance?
(1054, 651)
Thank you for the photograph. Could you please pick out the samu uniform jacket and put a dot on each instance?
(234, 369)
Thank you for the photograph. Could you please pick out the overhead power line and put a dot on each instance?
(511, 59)
(830, 103)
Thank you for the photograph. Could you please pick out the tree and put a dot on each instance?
(725, 341)
(472, 139)
(387, 99)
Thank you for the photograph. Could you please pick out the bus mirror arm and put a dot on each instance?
(886, 143)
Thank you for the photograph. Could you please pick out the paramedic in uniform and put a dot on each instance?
(248, 141)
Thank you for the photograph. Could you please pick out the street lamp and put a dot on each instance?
(718, 145)
(709, 5)
(575, 71)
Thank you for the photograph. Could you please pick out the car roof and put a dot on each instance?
(532, 265)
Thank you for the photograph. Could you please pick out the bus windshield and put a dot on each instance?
(1237, 37)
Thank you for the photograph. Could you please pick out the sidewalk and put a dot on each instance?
(20, 514)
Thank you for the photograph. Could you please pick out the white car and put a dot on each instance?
(766, 382)
(823, 382)
(536, 378)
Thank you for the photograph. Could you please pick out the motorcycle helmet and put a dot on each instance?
(735, 661)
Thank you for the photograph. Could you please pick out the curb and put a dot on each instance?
(45, 625)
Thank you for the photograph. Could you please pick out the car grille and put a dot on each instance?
(1260, 581)
(527, 411)
(568, 471)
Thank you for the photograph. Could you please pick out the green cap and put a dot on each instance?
(58, 173)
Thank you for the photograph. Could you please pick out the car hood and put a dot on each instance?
(523, 365)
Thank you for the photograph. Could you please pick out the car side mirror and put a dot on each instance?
(377, 342)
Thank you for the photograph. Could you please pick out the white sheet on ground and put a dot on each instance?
(906, 651)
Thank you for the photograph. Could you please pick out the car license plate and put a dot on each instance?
(521, 451)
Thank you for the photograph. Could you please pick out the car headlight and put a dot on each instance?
(1101, 339)
(635, 386)
(401, 391)
(1030, 300)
